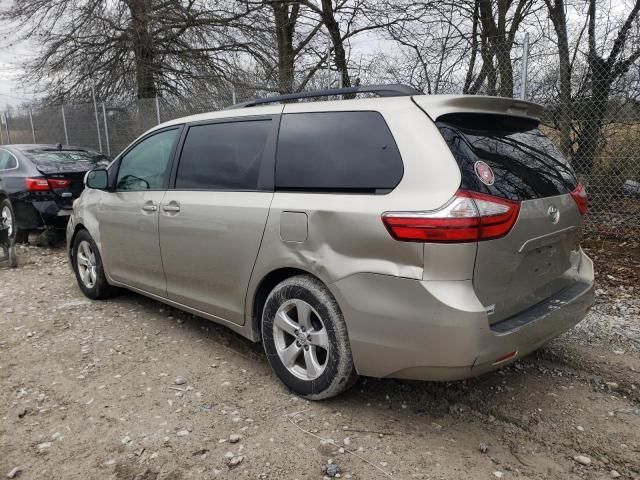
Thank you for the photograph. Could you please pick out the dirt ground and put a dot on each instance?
(91, 390)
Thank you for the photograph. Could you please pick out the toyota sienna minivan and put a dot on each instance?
(405, 235)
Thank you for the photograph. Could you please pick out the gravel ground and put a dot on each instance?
(131, 389)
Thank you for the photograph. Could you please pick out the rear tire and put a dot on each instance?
(87, 265)
(305, 338)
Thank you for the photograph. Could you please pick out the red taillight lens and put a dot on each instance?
(36, 184)
(58, 183)
(39, 184)
(581, 198)
(468, 217)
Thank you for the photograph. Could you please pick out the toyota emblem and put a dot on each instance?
(484, 173)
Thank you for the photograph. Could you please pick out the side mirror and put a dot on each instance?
(97, 179)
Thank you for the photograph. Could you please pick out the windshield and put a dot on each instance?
(524, 161)
(58, 157)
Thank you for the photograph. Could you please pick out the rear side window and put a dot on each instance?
(525, 162)
(223, 156)
(7, 161)
(337, 152)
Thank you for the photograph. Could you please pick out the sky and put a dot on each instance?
(12, 54)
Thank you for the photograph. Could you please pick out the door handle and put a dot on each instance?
(171, 207)
(150, 207)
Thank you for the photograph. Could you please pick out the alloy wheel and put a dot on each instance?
(86, 262)
(301, 339)
(7, 219)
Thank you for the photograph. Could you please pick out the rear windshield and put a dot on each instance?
(525, 162)
(57, 157)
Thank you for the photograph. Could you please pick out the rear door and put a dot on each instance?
(213, 219)
(511, 158)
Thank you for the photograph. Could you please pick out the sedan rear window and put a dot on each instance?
(524, 162)
(46, 156)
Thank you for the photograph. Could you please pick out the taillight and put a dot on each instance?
(36, 184)
(579, 194)
(58, 183)
(468, 217)
(39, 184)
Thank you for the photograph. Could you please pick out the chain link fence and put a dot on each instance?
(601, 139)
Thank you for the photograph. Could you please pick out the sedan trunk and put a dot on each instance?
(65, 170)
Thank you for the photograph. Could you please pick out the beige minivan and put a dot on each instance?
(407, 235)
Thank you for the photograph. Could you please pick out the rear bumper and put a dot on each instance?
(36, 215)
(438, 330)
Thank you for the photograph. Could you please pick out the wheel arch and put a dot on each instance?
(264, 288)
(72, 239)
(76, 229)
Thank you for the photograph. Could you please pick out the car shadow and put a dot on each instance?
(422, 398)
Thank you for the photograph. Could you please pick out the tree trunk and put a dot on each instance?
(559, 20)
(505, 68)
(285, 21)
(499, 35)
(143, 47)
(474, 49)
(489, 69)
(592, 122)
(332, 26)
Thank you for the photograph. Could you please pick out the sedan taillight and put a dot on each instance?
(59, 183)
(40, 184)
(36, 184)
(468, 217)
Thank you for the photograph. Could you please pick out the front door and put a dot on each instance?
(129, 215)
(212, 222)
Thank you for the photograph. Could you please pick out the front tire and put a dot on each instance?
(87, 265)
(305, 338)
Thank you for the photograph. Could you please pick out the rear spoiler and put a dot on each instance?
(437, 105)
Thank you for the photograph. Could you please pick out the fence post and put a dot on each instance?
(158, 109)
(33, 130)
(1, 134)
(6, 124)
(525, 69)
(95, 109)
(64, 125)
(106, 129)
(233, 94)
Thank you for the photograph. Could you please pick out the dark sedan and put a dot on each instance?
(38, 184)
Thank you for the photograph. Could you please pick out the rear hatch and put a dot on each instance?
(65, 170)
(510, 158)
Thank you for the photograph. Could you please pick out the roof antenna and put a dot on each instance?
(59, 147)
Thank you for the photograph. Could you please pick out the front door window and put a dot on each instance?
(147, 165)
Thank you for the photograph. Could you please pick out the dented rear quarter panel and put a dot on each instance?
(346, 235)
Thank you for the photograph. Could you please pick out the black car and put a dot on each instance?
(38, 184)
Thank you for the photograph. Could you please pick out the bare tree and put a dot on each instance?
(557, 15)
(500, 22)
(603, 72)
(125, 45)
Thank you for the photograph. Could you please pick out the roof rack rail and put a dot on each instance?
(393, 90)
